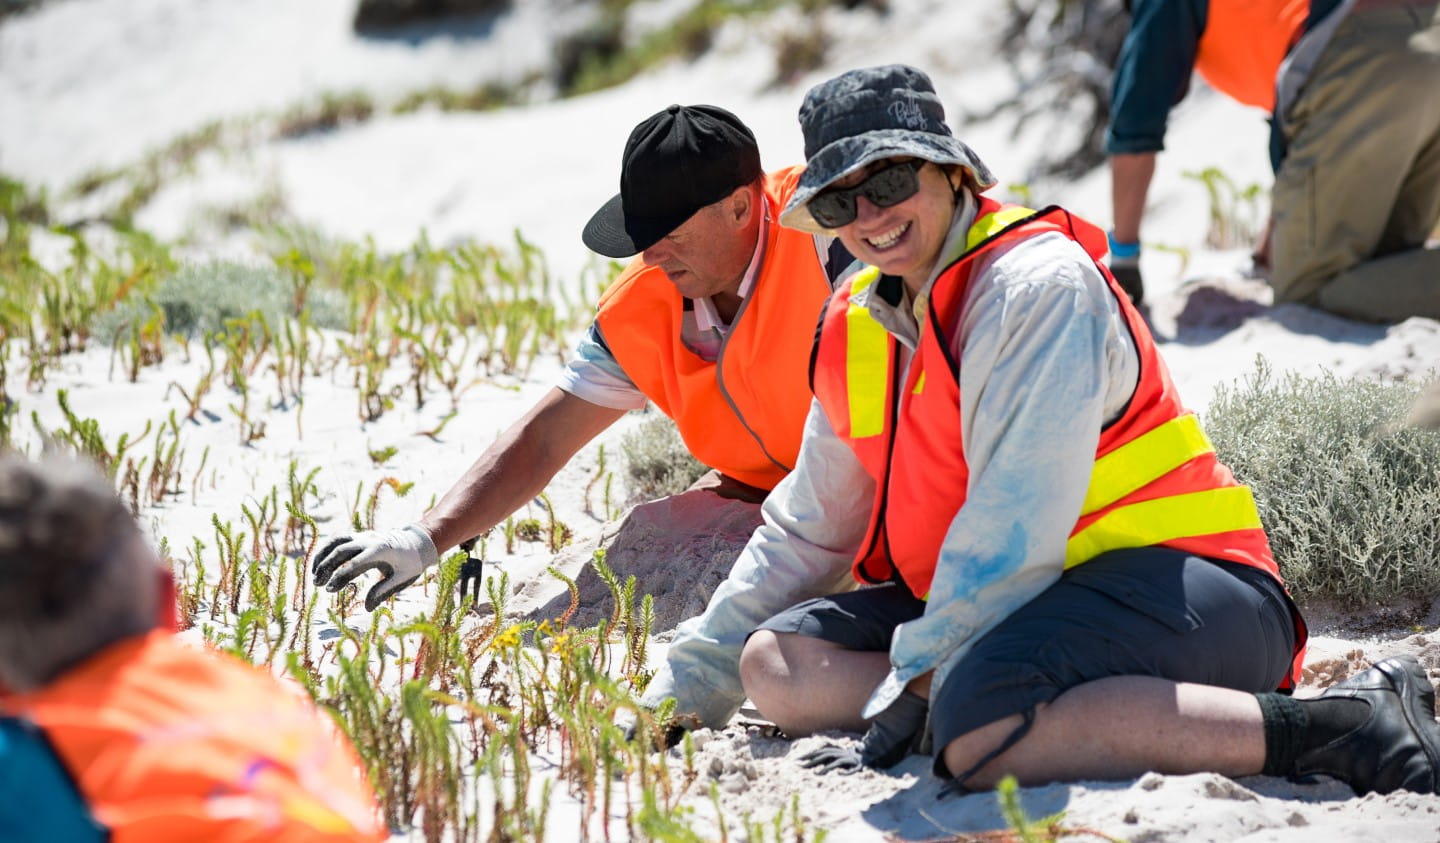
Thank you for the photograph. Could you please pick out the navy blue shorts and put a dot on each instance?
(1147, 611)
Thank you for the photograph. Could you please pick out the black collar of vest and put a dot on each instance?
(890, 289)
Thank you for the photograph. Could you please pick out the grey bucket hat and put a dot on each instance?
(865, 115)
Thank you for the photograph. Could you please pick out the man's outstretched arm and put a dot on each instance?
(517, 467)
(510, 472)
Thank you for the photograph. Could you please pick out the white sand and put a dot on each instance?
(89, 83)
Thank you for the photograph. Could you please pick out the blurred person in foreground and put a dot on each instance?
(1353, 87)
(113, 729)
(712, 322)
(1062, 579)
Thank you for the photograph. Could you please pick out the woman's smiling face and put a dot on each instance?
(903, 239)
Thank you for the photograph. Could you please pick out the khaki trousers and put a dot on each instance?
(1359, 191)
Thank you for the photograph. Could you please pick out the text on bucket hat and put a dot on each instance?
(868, 114)
(676, 162)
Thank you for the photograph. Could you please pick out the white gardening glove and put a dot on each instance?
(400, 555)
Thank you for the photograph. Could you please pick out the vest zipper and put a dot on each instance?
(764, 247)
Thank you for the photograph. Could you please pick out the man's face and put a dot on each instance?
(708, 253)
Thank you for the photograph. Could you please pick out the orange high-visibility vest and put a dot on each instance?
(742, 413)
(170, 743)
(1244, 43)
(1156, 480)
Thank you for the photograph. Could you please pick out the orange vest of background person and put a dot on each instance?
(1243, 44)
(166, 743)
(1156, 479)
(742, 413)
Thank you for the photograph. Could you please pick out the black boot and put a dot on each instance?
(1397, 746)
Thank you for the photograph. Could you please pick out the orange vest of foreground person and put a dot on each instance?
(742, 413)
(1156, 480)
(168, 743)
(1244, 43)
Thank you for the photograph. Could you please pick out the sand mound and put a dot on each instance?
(678, 549)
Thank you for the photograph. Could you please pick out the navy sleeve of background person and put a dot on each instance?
(1153, 72)
(40, 803)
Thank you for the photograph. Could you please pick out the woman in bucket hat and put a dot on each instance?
(1058, 567)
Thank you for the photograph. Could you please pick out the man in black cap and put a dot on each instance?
(713, 322)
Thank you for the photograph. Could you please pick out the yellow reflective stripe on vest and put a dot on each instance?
(1165, 519)
(991, 224)
(1143, 460)
(867, 356)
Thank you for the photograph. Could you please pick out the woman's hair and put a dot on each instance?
(969, 182)
(967, 178)
(75, 573)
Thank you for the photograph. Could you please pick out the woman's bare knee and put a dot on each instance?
(763, 671)
(806, 684)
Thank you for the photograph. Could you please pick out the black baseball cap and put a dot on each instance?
(676, 162)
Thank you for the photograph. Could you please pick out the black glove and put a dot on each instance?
(1125, 266)
(1127, 273)
(831, 758)
(890, 738)
(670, 735)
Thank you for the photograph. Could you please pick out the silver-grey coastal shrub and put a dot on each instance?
(1349, 495)
(199, 298)
(657, 463)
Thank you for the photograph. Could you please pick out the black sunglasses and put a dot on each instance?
(835, 206)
